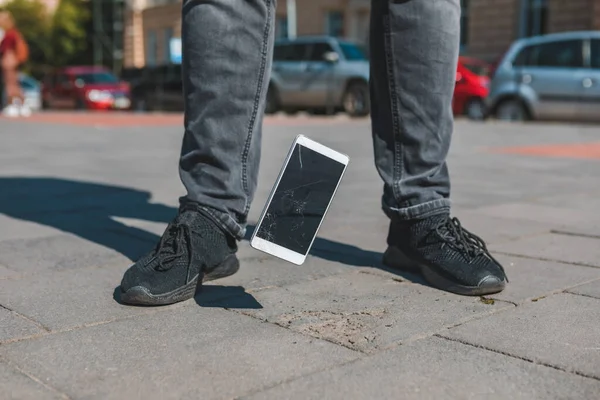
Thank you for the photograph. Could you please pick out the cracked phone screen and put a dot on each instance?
(300, 200)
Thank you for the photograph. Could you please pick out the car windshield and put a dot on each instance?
(97, 77)
(478, 69)
(353, 52)
(28, 83)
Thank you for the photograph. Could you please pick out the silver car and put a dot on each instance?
(319, 73)
(554, 76)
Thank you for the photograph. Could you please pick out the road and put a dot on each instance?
(83, 195)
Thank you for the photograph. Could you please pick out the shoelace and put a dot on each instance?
(451, 231)
(170, 246)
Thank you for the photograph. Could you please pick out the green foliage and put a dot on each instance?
(68, 34)
(54, 40)
(33, 23)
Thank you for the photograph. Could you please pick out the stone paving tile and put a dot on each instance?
(497, 230)
(591, 289)
(67, 251)
(364, 311)
(13, 326)
(264, 272)
(565, 248)
(531, 279)
(16, 386)
(180, 354)
(561, 330)
(436, 369)
(557, 216)
(68, 299)
(5, 272)
(13, 228)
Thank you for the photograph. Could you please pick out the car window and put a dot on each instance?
(478, 69)
(523, 58)
(96, 77)
(595, 53)
(27, 83)
(61, 79)
(318, 51)
(291, 52)
(559, 54)
(353, 52)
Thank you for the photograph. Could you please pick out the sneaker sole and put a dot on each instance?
(139, 295)
(394, 258)
(230, 266)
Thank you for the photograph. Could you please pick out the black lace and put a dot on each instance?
(172, 245)
(451, 232)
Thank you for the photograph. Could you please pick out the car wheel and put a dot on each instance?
(475, 110)
(272, 102)
(139, 105)
(356, 101)
(512, 110)
(79, 104)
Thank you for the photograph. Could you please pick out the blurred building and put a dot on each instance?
(150, 25)
(50, 4)
(488, 27)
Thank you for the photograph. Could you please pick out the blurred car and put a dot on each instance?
(85, 88)
(472, 88)
(555, 76)
(31, 91)
(158, 88)
(317, 73)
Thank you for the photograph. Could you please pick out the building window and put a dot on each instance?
(168, 35)
(281, 28)
(534, 18)
(334, 23)
(151, 49)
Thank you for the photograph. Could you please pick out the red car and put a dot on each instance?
(85, 88)
(472, 87)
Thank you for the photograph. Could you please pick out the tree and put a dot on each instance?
(32, 21)
(69, 36)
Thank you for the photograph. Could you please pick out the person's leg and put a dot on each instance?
(226, 75)
(227, 52)
(12, 91)
(414, 51)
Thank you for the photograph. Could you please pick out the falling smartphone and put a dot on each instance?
(299, 200)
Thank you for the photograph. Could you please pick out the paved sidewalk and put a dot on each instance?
(79, 200)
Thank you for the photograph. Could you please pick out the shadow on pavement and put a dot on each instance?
(225, 297)
(87, 209)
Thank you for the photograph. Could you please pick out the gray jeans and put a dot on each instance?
(227, 55)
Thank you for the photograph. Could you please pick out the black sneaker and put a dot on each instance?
(192, 249)
(446, 254)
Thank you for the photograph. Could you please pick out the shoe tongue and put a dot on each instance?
(424, 227)
(188, 217)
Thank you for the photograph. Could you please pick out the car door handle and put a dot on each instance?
(587, 83)
(527, 78)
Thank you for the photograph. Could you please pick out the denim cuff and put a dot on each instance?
(420, 211)
(223, 220)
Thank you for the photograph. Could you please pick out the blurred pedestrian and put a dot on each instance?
(13, 53)
(227, 55)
